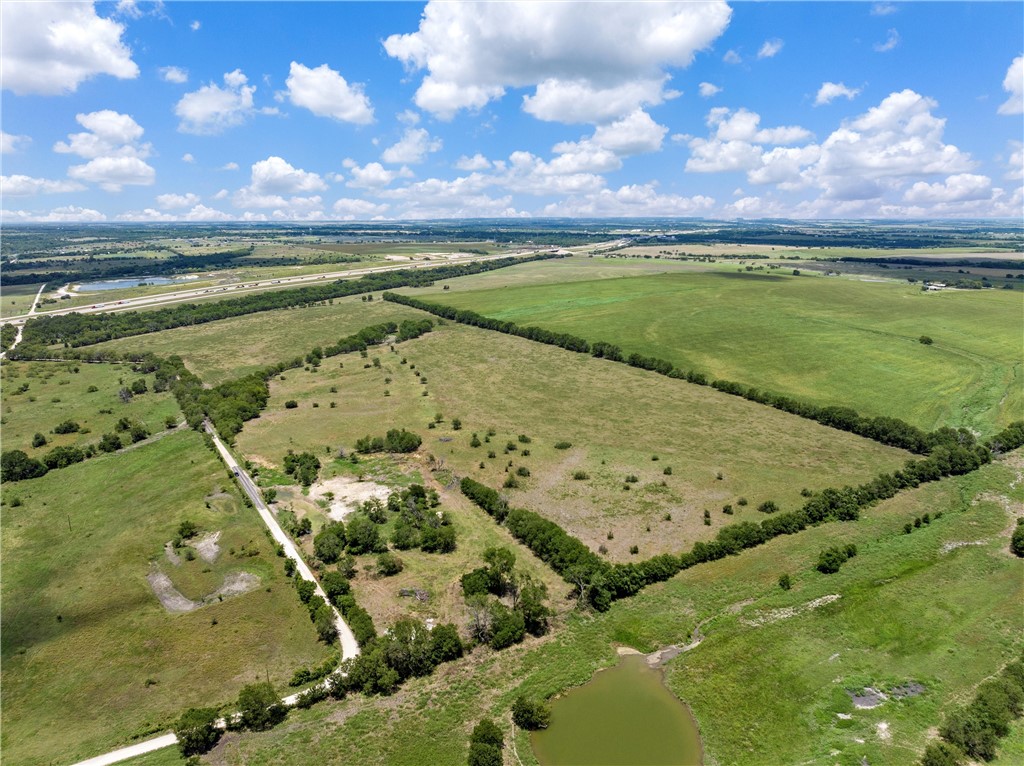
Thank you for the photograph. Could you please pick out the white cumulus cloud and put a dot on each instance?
(830, 91)
(770, 48)
(68, 214)
(111, 143)
(630, 201)
(326, 93)
(707, 90)
(11, 143)
(50, 48)
(177, 201)
(373, 175)
(413, 147)
(349, 209)
(1013, 84)
(188, 158)
(112, 173)
(586, 63)
(24, 186)
(173, 74)
(891, 41)
(276, 176)
(213, 109)
(956, 188)
(476, 162)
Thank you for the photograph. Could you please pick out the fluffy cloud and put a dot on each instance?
(891, 41)
(194, 26)
(1015, 164)
(24, 186)
(883, 9)
(584, 66)
(275, 176)
(108, 134)
(373, 175)
(229, 166)
(770, 48)
(742, 125)
(1013, 84)
(358, 209)
(630, 201)
(782, 166)
(707, 90)
(188, 158)
(957, 188)
(736, 141)
(177, 201)
(476, 162)
(897, 140)
(213, 109)
(69, 214)
(413, 147)
(634, 134)
(830, 91)
(112, 145)
(10, 143)
(326, 93)
(732, 57)
(112, 173)
(149, 215)
(173, 74)
(51, 48)
(459, 198)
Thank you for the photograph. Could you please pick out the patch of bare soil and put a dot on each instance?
(207, 547)
(952, 546)
(171, 598)
(171, 554)
(235, 584)
(766, 618)
(867, 698)
(347, 494)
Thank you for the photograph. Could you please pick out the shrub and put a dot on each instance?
(475, 441)
(488, 733)
(522, 471)
(727, 509)
(530, 714)
(389, 564)
(784, 582)
(832, 558)
(668, 470)
(580, 475)
(510, 482)
(259, 707)
(481, 754)
(1017, 539)
(632, 479)
(563, 445)
(67, 427)
(197, 731)
(38, 440)
(741, 502)
(768, 506)
(291, 404)
(925, 340)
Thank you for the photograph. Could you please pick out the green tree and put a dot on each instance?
(259, 707)
(1017, 539)
(363, 536)
(942, 754)
(531, 604)
(488, 733)
(38, 440)
(197, 731)
(15, 465)
(482, 754)
(110, 443)
(329, 542)
(530, 714)
(389, 564)
(445, 643)
(335, 585)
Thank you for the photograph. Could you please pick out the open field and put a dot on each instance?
(824, 340)
(435, 573)
(229, 348)
(617, 419)
(91, 658)
(17, 299)
(762, 694)
(59, 391)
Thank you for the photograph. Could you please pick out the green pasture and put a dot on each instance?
(718, 448)
(91, 659)
(909, 609)
(59, 391)
(825, 340)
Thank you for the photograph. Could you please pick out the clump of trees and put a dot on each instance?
(319, 612)
(395, 440)
(197, 731)
(485, 744)
(491, 620)
(420, 524)
(973, 731)
(304, 466)
(831, 559)
(530, 714)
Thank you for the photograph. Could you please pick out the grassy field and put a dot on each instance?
(825, 340)
(762, 694)
(57, 393)
(91, 659)
(17, 299)
(719, 448)
(219, 351)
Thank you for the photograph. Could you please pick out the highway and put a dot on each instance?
(244, 288)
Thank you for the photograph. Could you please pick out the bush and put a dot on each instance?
(445, 644)
(388, 564)
(832, 558)
(942, 754)
(481, 754)
(668, 470)
(768, 506)
(38, 440)
(15, 465)
(67, 427)
(563, 445)
(259, 707)
(335, 585)
(197, 731)
(925, 340)
(784, 582)
(488, 733)
(530, 714)
(1017, 539)
(110, 443)
(329, 543)
(291, 404)
(580, 475)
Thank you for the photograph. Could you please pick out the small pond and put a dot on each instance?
(625, 715)
(121, 284)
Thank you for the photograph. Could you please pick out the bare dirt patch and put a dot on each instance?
(207, 547)
(347, 494)
(766, 618)
(172, 555)
(235, 584)
(952, 546)
(169, 596)
(867, 698)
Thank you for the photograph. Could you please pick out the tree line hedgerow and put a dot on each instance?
(886, 430)
(599, 582)
(76, 329)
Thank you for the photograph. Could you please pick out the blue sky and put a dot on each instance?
(286, 111)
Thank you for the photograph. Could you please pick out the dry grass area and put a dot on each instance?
(720, 448)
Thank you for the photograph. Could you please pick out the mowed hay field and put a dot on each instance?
(230, 348)
(822, 339)
(17, 299)
(769, 680)
(91, 659)
(616, 418)
(59, 391)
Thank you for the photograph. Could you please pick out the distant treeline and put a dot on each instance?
(986, 263)
(112, 268)
(599, 582)
(76, 329)
(863, 238)
(886, 430)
